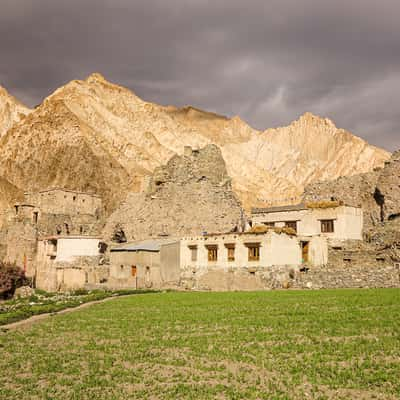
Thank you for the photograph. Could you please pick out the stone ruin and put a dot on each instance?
(191, 194)
(53, 212)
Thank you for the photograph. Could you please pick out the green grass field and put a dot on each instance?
(342, 344)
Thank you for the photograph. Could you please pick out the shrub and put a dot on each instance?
(11, 278)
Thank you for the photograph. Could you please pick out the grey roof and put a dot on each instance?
(296, 207)
(153, 245)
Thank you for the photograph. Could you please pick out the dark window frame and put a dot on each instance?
(291, 224)
(230, 249)
(212, 251)
(254, 251)
(327, 225)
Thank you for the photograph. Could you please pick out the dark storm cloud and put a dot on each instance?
(267, 61)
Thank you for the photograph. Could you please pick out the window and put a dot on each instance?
(291, 224)
(269, 224)
(254, 251)
(231, 251)
(52, 248)
(102, 247)
(193, 252)
(327, 226)
(212, 252)
(66, 229)
(35, 217)
(73, 198)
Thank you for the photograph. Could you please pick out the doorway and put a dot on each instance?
(305, 247)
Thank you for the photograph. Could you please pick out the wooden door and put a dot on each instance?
(305, 246)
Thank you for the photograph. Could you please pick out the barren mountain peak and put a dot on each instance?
(122, 138)
(11, 111)
(96, 76)
(309, 118)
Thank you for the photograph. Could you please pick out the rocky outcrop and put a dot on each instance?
(377, 192)
(358, 191)
(388, 188)
(93, 135)
(11, 111)
(189, 195)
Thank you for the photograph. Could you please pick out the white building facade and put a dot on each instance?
(240, 250)
(59, 262)
(339, 222)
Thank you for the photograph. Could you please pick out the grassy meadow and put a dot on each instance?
(342, 344)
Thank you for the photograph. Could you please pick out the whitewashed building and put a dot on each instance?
(316, 224)
(333, 222)
(68, 262)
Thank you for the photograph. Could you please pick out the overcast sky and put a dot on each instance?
(267, 61)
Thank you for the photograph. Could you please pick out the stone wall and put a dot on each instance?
(63, 201)
(386, 276)
(342, 254)
(230, 279)
(281, 277)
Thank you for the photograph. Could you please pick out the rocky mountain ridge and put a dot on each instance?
(11, 111)
(98, 136)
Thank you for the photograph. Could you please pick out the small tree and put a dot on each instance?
(11, 278)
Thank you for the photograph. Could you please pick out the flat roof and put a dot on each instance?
(153, 245)
(290, 207)
(299, 207)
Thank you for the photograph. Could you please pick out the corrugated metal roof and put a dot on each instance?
(145, 245)
(296, 207)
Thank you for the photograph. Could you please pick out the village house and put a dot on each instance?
(54, 234)
(319, 224)
(147, 264)
(52, 227)
(69, 262)
(329, 219)
(192, 261)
